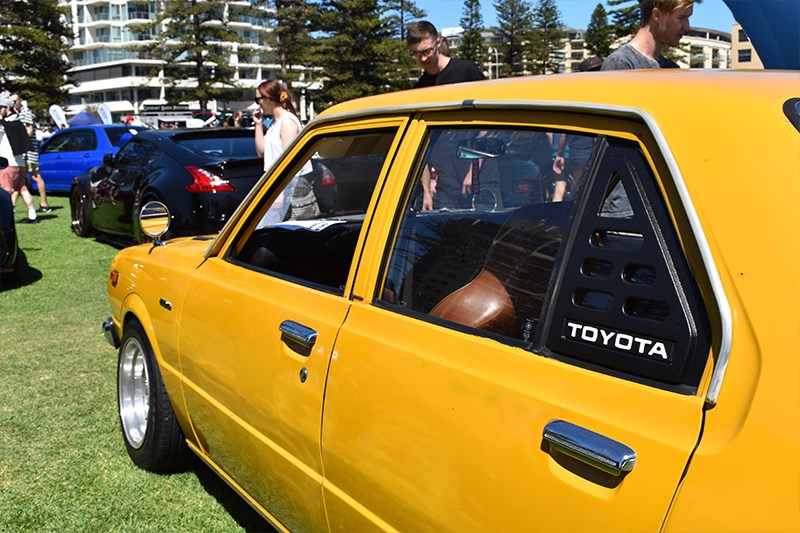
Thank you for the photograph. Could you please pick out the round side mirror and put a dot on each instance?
(154, 219)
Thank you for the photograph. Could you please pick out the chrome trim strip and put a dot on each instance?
(589, 447)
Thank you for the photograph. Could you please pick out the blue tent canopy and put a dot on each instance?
(773, 27)
(84, 118)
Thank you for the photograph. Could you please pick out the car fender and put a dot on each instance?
(134, 308)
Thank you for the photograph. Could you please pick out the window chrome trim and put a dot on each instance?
(725, 317)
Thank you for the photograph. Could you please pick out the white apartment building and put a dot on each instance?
(108, 70)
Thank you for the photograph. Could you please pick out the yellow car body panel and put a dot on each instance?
(400, 423)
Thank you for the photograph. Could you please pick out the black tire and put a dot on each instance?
(153, 438)
(81, 225)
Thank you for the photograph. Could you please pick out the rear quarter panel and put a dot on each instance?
(742, 170)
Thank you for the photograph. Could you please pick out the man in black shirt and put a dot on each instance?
(439, 69)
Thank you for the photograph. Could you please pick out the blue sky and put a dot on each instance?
(711, 14)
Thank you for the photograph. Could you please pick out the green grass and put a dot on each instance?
(63, 465)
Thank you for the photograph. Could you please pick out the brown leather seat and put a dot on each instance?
(507, 295)
(483, 303)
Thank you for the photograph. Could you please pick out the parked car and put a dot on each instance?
(75, 150)
(201, 175)
(625, 360)
(9, 247)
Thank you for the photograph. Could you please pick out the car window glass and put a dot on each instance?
(597, 278)
(59, 143)
(482, 254)
(308, 229)
(133, 153)
(231, 146)
(82, 141)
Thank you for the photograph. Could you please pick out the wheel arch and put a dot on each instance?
(134, 308)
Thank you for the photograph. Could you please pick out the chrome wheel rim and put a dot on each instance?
(134, 392)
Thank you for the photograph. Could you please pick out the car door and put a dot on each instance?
(66, 155)
(515, 366)
(260, 320)
(115, 193)
(79, 155)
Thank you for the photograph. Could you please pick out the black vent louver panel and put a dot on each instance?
(625, 299)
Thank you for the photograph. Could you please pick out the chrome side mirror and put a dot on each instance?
(154, 220)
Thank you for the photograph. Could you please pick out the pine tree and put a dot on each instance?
(626, 16)
(290, 39)
(190, 37)
(599, 35)
(546, 36)
(472, 41)
(514, 19)
(401, 13)
(357, 53)
(32, 50)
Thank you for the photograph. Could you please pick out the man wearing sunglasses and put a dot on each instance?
(439, 69)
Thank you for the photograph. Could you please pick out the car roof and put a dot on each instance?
(666, 94)
(195, 133)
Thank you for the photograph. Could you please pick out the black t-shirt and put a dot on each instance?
(456, 71)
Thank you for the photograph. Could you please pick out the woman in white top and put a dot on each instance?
(274, 99)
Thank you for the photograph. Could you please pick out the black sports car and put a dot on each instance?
(201, 175)
(9, 250)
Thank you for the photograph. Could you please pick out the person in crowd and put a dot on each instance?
(664, 23)
(274, 99)
(14, 176)
(444, 46)
(32, 156)
(424, 43)
(590, 64)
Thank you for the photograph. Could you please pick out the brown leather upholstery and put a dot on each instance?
(483, 303)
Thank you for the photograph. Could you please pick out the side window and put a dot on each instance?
(588, 270)
(478, 245)
(135, 152)
(307, 230)
(83, 141)
(59, 144)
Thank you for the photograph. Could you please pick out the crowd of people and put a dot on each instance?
(663, 24)
(19, 153)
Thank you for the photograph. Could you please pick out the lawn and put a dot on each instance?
(63, 465)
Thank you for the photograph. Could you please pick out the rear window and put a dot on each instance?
(239, 147)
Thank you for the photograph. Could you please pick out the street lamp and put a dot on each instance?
(493, 50)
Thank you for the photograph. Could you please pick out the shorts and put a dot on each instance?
(13, 179)
(33, 167)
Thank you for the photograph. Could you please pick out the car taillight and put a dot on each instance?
(327, 176)
(206, 181)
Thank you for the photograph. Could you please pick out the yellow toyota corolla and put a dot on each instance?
(562, 303)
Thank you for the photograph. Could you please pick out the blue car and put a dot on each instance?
(75, 150)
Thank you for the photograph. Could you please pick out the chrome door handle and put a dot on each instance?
(298, 334)
(589, 447)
